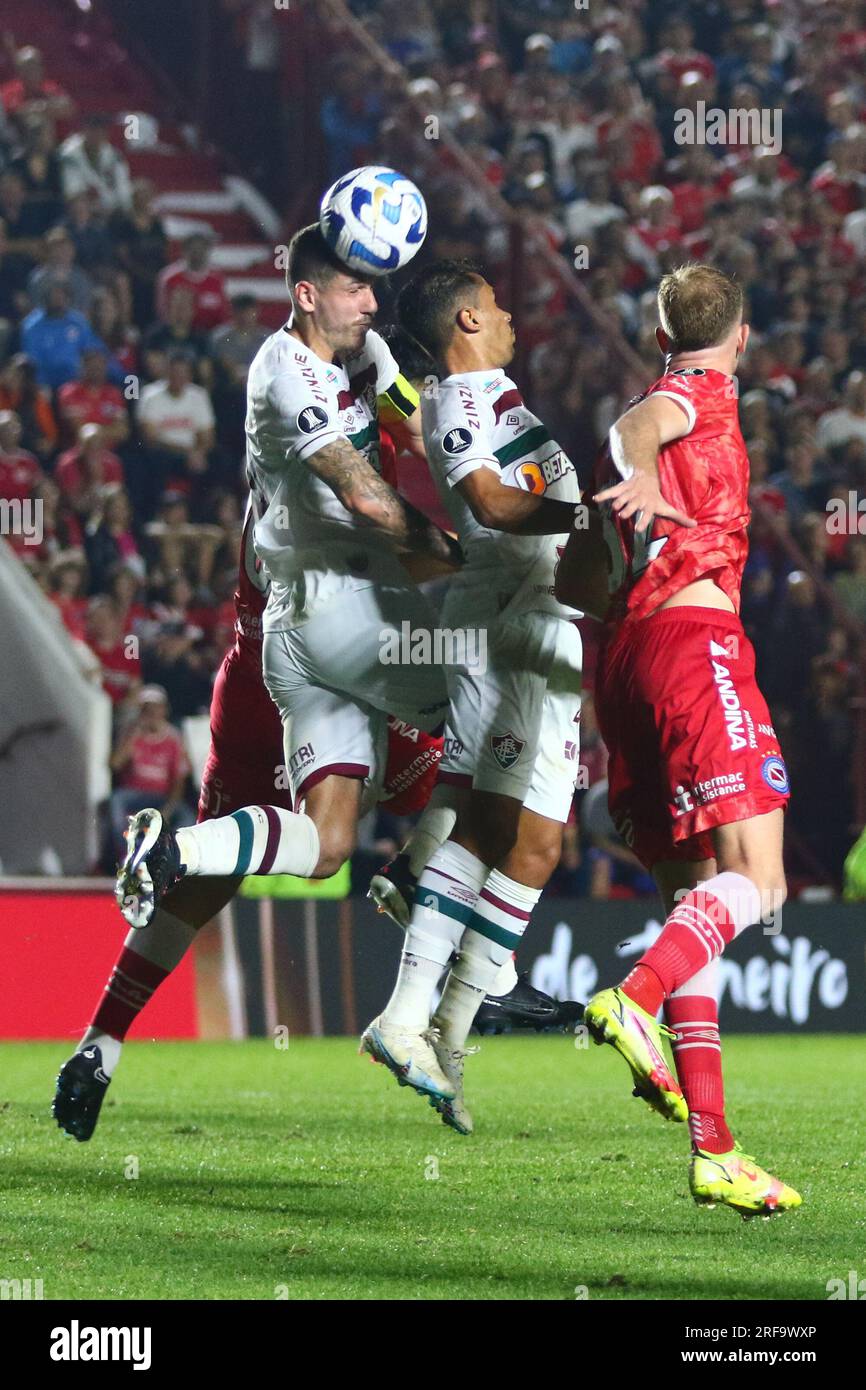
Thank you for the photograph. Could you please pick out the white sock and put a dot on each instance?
(446, 894)
(109, 1047)
(433, 829)
(501, 916)
(505, 980)
(253, 840)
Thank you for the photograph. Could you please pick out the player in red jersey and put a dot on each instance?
(698, 785)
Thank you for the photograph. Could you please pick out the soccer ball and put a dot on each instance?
(373, 219)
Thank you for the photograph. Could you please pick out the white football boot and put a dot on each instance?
(410, 1056)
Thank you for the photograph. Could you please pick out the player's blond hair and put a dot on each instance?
(698, 306)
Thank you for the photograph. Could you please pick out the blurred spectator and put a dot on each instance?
(30, 91)
(92, 400)
(20, 391)
(194, 273)
(109, 322)
(55, 338)
(124, 585)
(177, 332)
(67, 589)
(140, 245)
(59, 268)
(150, 766)
(176, 421)
(179, 545)
(172, 660)
(39, 167)
(109, 539)
(233, 345)
(86, 470)
(849, 420)
(850, 584)
(350, 115)
(117, 656)
(89, 163)
(86, 225)
(21, 221)
(19, 469)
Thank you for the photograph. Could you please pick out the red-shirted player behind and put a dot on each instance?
(698, 786)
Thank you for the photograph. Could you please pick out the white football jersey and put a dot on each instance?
(310, 545)
(479, 420)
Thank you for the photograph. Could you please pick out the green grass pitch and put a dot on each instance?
(307, 1173)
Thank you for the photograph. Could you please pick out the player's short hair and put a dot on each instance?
(311, 258)
(426, 306)
(414, 360)
(698, 306)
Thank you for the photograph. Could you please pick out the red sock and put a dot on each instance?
(130, 985)
(697, 1052)
(698, 929)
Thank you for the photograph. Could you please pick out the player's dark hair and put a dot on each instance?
(698, 306)
(311, 258)
(414, 360)
(427, 306)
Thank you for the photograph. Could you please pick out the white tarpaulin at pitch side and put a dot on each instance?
(55, 732)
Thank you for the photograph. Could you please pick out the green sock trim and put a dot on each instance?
(244, 822)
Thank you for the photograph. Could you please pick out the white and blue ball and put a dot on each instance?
(373, 219)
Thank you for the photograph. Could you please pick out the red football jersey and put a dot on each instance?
(705, 474)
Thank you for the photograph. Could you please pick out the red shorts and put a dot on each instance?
(246, 762)
(245, 765)
(690, 738)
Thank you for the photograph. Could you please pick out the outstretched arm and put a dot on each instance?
(506, 508)
(635, 441)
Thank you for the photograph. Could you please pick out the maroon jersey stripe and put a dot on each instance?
(509, 400)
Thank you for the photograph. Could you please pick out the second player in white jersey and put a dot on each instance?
(512, 727)
(479, 420)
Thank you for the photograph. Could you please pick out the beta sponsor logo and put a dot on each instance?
(506, 749)
(302, 757)
(311, 419)
(538, 476)
(775, 774)
(456, 441)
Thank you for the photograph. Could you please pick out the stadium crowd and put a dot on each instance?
(570, 113)
(122, 371)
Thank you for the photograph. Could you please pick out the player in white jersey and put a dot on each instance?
(329, 532)
(511, 751)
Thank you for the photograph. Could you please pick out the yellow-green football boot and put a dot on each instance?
(735, 1180)
(612, 1017)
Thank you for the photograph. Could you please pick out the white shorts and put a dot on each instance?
(513, 728)
(335, 682)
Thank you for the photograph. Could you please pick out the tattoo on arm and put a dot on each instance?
(369, 498)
